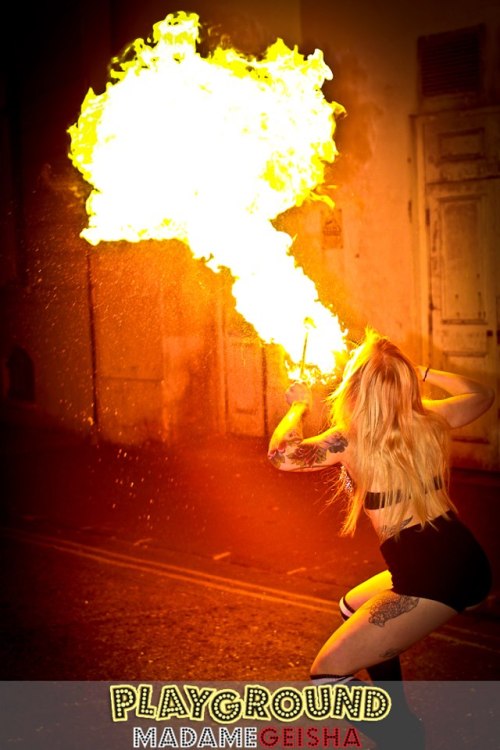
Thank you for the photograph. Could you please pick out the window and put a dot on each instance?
(451, 63)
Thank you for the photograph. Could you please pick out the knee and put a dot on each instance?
(333, 660)
(323, 666)
(330, 659)
(331, 670)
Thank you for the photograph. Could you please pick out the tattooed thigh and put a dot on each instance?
(390, 605)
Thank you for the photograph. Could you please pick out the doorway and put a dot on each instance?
(458, 192)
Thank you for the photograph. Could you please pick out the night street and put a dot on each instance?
(138, 564)
(207, 215)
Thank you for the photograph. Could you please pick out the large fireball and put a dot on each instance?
(210, 150)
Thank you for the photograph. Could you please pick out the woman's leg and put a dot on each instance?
(389, 669)
(382, 627)
(372, 638)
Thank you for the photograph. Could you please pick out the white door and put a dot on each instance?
(245, 387)
(244, 376)
(459, 188)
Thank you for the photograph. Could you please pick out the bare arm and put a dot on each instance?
(468, 399)
(289, 451)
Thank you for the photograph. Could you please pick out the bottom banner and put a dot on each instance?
(122, 716)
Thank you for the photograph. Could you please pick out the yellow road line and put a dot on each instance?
(449, 633)
(174, 572)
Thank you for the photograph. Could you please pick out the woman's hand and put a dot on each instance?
(299, 392)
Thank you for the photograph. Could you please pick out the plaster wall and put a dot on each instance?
(372, 50)
(131, 335)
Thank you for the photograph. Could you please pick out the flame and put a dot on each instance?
(210, 151)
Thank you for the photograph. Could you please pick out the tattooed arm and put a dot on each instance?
(467, 401)
(289, 451)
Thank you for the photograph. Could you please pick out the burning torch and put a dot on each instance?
(308, 323)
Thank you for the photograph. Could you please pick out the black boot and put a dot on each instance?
(386, 671)
(403, 728)
(400, 729)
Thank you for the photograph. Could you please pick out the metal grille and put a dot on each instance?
(451, 63)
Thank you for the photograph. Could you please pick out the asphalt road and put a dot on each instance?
(147, 564)
(138, 565)
(78, 608)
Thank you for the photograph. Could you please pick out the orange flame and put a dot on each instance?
(210, 151)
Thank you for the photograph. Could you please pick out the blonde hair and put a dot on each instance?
(400, 447)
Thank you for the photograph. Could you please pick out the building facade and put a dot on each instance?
(141, 342)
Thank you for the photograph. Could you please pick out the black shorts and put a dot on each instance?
(445, 563)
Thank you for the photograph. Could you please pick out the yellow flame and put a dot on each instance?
(210, 151)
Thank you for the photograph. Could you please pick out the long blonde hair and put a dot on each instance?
(400, 447)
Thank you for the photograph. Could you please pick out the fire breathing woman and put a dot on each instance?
(392, 448)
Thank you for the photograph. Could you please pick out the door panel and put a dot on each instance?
(460, 188)
(244, 378)
(463, 309)
(245, 388)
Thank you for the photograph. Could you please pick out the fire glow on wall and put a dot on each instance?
(209, 150)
